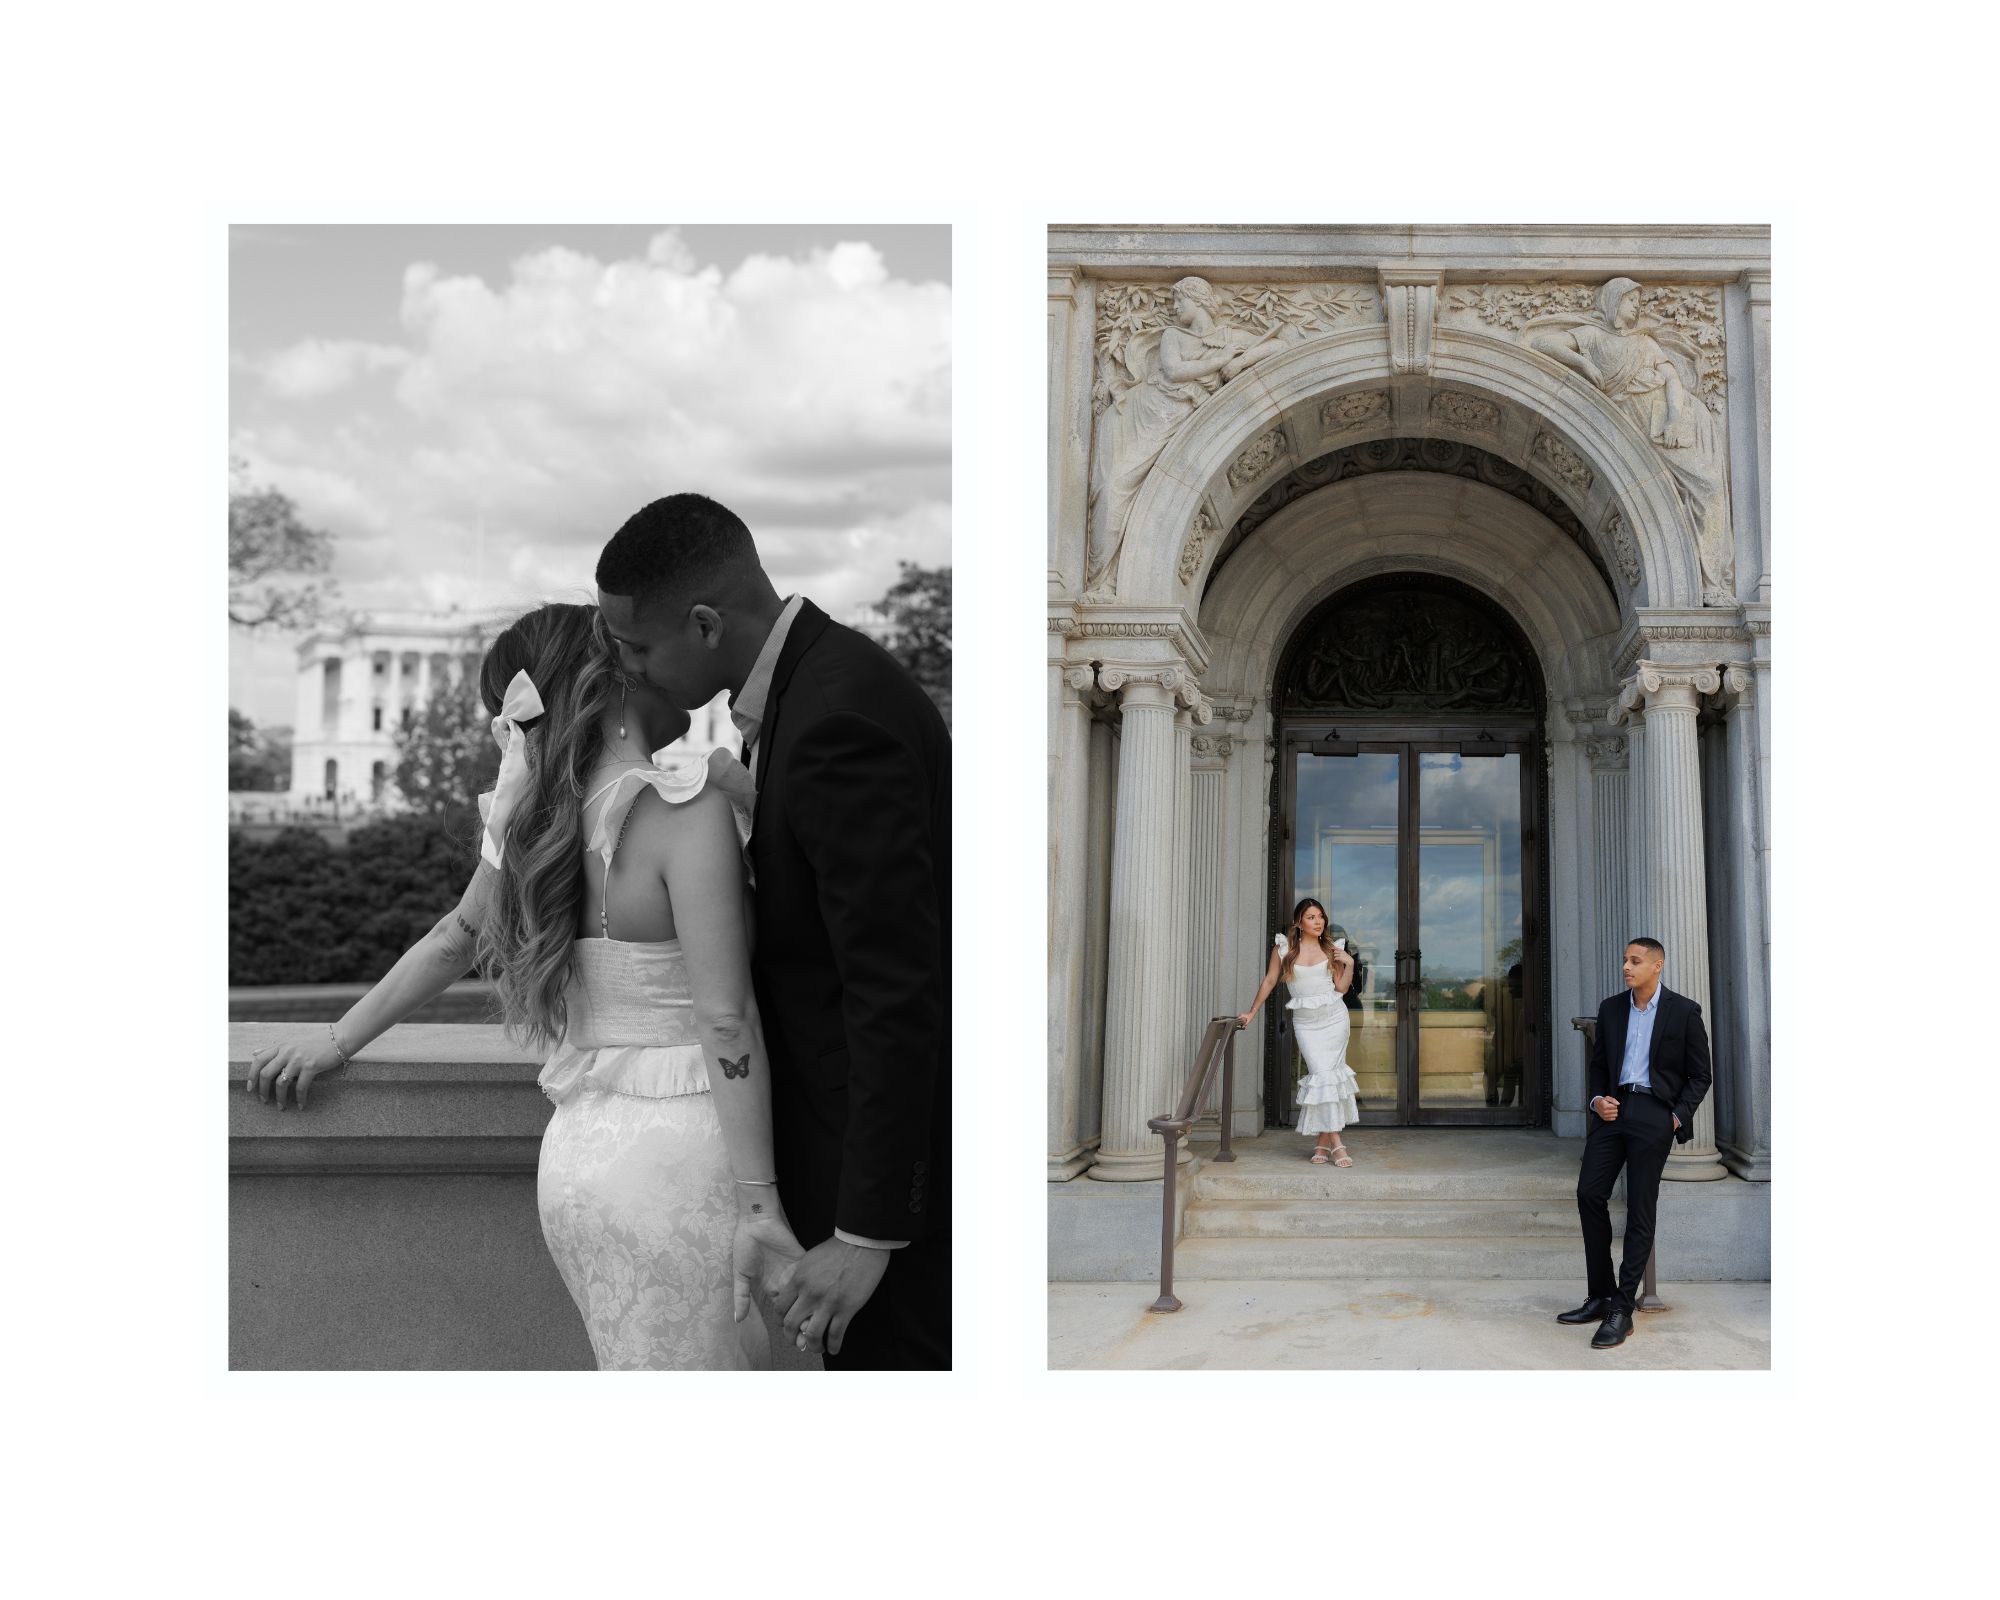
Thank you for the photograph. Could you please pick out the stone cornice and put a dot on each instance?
(1171, 625)
(1681, 636)
(1660, 253)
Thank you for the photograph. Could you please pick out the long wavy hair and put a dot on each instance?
(529, 935)
(1295, 936)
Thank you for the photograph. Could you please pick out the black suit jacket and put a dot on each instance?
(851, 845)
(1677, 1064)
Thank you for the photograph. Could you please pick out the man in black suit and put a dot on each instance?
(1648, 1071)
(851, 848)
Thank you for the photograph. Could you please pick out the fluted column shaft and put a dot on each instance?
(1069, 889)
(1610, 780)
(1142, 1002)
(1181, 1052)
(1749, 1155)
(1677, 880)
(1207, 783)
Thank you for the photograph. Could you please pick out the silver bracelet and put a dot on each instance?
(758, 1183)
(345, 1059)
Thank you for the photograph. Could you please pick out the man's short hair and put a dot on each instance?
(1653, 945)
(682, 545)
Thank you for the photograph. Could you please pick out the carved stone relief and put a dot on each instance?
(1161, 353)
(1197, 540)
(1622, 548)
(1256, 458)
(1407, 649)
(1657, 354)
(1568, 467)
(1465, 411)
(1414, 455)
(1345, 411)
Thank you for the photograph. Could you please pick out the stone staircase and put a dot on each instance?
(1418, 1202)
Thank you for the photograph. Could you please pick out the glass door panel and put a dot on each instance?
(1469, 1009)
(1346, 848)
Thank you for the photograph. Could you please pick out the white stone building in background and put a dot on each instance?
(1425, 570)
(356, 679)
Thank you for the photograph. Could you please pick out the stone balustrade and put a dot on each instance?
(392, 1224)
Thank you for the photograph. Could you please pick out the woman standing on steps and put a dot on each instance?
(1326, 1094)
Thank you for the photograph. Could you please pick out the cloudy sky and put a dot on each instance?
(472, 411)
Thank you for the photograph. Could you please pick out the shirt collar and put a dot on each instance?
(1658, 990)
(747, 705)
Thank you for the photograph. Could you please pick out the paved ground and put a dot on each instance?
(1389, 1325)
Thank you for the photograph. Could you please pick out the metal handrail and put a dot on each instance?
(1649, 1298)
(1217, 1040)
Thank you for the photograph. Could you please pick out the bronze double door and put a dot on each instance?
(1420, 843)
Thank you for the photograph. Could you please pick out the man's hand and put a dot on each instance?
(826, 1291)
(1607, 1107)
(1677, 1124)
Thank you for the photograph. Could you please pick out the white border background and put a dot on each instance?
(139, 137)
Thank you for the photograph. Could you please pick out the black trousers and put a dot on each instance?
(906, 1325)
(1638, 1142)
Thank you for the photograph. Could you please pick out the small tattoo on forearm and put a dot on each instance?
(739, 1068)
(755, 1207)
(470, 931)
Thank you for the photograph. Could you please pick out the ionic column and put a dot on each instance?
(424, 679)
(1677, 899)
(1192, 711)
(1748, 1154)
(1143, 1002)
(1069, 889)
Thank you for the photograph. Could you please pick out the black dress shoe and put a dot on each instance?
(1614, 1330)
(1592, 1310)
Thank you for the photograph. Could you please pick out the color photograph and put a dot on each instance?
(1409, 796)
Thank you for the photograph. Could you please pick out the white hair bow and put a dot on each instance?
(522, 703)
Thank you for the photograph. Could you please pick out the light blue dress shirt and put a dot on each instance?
(1639, 1042)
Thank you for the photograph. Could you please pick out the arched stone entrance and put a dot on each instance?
(1393, 446)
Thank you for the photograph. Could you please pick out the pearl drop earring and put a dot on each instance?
(623, 703)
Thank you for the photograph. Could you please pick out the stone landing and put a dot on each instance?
(1434, 1204)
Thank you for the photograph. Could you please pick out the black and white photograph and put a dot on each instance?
(590, 797)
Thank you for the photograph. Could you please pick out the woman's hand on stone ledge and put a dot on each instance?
(290, 1067)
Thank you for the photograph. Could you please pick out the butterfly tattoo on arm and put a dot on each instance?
(739, 1068)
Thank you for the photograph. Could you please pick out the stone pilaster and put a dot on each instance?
(1757, 284)
(1069, 890)
(1668, 697)
(1103, 786)
(1143, 1005)
(1072, 324)
(1209, 784)
(1610, 783)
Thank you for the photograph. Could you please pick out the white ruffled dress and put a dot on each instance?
(1327, 1093)
(637, 1200)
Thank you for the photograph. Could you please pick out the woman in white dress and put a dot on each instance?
(611, 907)
(1319, 971)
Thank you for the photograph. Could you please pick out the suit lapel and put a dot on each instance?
(807, 626)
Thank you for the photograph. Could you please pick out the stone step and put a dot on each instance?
(1386, 1219)
(1545, 1258)
(1548, 1183)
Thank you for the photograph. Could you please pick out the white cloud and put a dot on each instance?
(315, 367)
(531, 414)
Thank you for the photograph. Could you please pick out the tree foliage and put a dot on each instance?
(277, 564)
(302, 911)
(919, 610)
(446, 756)
(260, 759)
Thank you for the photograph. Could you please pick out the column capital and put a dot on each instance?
(1608, 752)
(1736, 689)
(1156, 686)
(1663, 685)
